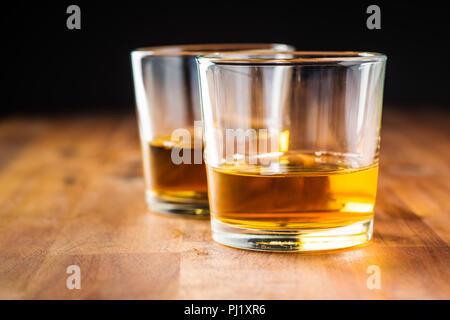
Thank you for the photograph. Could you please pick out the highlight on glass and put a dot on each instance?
(291, 147)
(169, 118)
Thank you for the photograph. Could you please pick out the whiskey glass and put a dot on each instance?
(169, 119)
(291, 147)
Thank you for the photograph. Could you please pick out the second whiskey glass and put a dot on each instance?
(169, 118)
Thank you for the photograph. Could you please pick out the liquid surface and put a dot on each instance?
(299, 191)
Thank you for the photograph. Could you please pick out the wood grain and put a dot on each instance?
(71, 192)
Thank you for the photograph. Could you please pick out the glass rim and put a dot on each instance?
(208, 48)
(260, 57)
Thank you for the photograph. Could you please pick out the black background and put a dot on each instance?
(49, 68)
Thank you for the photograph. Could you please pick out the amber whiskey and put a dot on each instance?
(183, 183)
(298, 192)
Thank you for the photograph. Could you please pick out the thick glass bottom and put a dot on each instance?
(179, 207)
(304, 240)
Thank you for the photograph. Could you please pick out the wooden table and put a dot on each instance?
(71, 193)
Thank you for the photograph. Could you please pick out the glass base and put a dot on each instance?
(292, 240)
(178, 208)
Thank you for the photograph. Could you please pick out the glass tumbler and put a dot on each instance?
(169, 118)
(291, 147)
